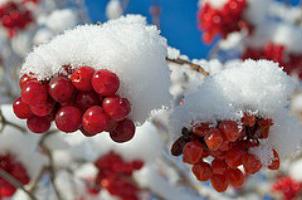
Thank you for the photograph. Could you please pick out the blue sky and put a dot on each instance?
(178, 22)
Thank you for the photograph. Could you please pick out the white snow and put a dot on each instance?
(126, 46)
(295, 170)
(257, 86)
(218, 4)
(60, 20)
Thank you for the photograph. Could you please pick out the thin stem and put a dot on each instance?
(4, 122)
(194, 66)
(51, 167)
(13, 181)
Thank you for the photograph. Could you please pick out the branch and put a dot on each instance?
(194, 66)
(13, 181)
(4, 122)
(51, 167)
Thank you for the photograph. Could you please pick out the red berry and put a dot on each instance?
(123, 132)
(202, 171)
(236, 177)
(38, 124)
(61, 89)
(219, 166)
(95, 120)
(21, 109)
(34, 93)
(85, 100)
(105, 82)
(25, 79)
(81, 78)
(230, 130)
(117, 108)
(201, 129)
(193, 152)
(219, 182)
(68, 119)
(43, 109)
(251, 164)
(276, 161)
(233, 157)
(214, 139)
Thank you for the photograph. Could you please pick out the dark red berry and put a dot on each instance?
(85, 100)
(117, 108)
(21, 109)
(34, 93)
(123, 132)
(81, 78)
(219, 182)
(95, 120)
(38, 124)
(43, 109)
(68, 119)
(105, 82)
(193, 152)
(202, 171)
(61, 89)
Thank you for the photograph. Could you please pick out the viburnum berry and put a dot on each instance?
(227, 143)
(105, 82)
(21, 109)
(290, 188)
(76, 99)
(193, 152)
(123, 132)
(38, 124)
(202, 171)
(68, 119)
(95, 120)
(214, 139)
(34, 93)
(219, 182)
(117, 108)
(81, 78)
(61, 89)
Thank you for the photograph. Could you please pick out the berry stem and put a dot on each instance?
(194, 66)
(4, 122)
(13, 181)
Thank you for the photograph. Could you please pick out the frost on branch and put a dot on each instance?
(123, 57)
(242, 110)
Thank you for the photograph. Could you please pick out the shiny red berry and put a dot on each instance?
(219, 182)
(61, 89)
(43, 109)
(230, 130)
(275, 165)
(38, 124)
(81, 78)
(95, 120)
(192, 152)
(251, 163)
(117, 108)
(26, 79)
(105, 82)
(219, 166)
(34, 93)
(124, 131)
(21, 109)
(68, 119)
(202, 171)
(236, 177)
(214, 139)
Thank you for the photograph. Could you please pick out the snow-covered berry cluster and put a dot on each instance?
(115, 176)
(15, 16)
(288, 187)
(77, 99)
(228, 143)
(222, 19)
(10, 165)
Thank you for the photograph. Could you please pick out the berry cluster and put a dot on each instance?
(228, 144)
(292, 63)
(222, 21)
(15, 169)
(82, 99)
(15, 17)
(115, 175)
(290, 188)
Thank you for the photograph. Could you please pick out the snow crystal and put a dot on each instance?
(295, 170)
(114, 9)
(126, 46)
(252, 86)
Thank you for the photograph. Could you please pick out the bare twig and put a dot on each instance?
(194, 66)
(4, 122)
(35, 182)
(9, 178)
(51, 166)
